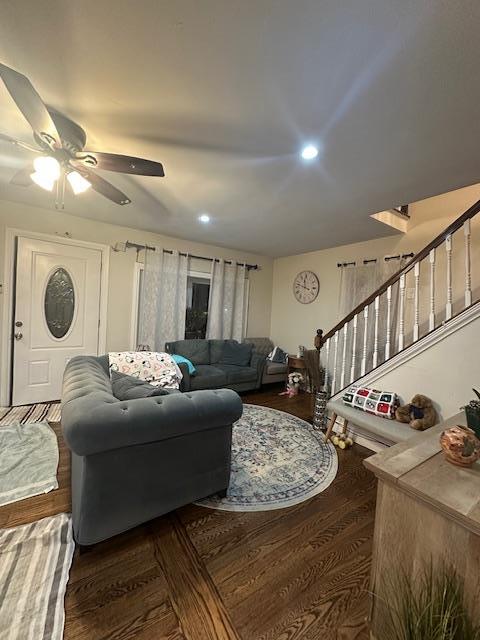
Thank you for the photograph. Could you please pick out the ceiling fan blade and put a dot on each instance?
(100, 185)
(22, 178)
(18, 143)
(31, 105)
(122, 164)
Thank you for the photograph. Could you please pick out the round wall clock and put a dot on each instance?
(306, 287)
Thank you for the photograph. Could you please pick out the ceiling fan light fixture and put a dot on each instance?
(78, 183)
(48, 167)
(42, 181)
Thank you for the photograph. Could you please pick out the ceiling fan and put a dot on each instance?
(61, 145)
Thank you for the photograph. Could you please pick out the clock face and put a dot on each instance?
(306, 287)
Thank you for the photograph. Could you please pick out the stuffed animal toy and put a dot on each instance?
(419, 414)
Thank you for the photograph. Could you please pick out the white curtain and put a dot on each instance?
(163, 299)
(227, 301)
(357, 283)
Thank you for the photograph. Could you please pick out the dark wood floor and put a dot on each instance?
(199, 574)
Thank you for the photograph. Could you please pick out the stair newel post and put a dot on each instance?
(334, 380)
(376, 307)
(468, 266)
(416, 322)
(365, 337)
(389, 323)
(448, 306)
(354, 348)
(431, 317)
(344, 354)
(401, 311)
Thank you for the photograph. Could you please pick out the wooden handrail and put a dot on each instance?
(454, 226)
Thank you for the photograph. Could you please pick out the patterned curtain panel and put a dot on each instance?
(163, 299)
(227, 301)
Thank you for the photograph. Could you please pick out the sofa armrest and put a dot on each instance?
(95, 424)
(185, 383)
(258, 362)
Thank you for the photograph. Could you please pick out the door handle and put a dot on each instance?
(18, 336)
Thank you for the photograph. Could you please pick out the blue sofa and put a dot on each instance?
(134, 460)
(219, 364)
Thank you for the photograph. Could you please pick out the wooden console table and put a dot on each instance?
(427, 509)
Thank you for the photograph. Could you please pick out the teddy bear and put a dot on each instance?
(419, 414)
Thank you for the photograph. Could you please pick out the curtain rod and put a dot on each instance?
(141, 247)
(371, 260)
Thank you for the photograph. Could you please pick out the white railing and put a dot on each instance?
(429, 291)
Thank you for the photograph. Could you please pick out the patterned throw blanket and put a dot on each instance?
(158, 369)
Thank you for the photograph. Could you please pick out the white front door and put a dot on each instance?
(57, 313)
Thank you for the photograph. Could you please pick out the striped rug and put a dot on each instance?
(49, 411)
(35, 561)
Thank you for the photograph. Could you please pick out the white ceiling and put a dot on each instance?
(225, 93)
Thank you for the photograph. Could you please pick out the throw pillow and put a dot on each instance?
(380, 403)
(125, 387)
(278, 355)
(236, 353)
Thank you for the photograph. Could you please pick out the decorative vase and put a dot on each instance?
(473, 419)
(320, 410)
(460, 446)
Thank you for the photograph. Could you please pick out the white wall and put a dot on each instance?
(122, 264)
(293, 323)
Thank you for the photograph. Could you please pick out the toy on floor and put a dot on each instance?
(419, 414)
(342, 440)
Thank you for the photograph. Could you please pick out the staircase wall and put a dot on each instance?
(444, 368)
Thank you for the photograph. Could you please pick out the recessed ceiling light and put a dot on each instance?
(204, 218)
(309, 152)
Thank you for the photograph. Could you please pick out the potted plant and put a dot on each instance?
(472, 413)
(430, 605)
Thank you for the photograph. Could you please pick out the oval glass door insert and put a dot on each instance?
(59, 303)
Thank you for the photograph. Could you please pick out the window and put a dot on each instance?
(196, 313)
(196, 316)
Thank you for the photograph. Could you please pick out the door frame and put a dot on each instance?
(8, 290)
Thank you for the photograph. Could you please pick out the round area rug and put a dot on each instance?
(278, 460)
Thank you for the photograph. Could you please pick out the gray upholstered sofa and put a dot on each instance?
(134, 460)
(219, 364)
(273, 371)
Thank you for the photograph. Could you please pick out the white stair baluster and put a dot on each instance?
(365, 335)
(468, 266)
(389, 322)
(401, 312)
(334, 381)
(448, 306)
(375, 338)
(416, 325)
(327, 362)
(344, 354)
(354, 348)
(431, 317)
